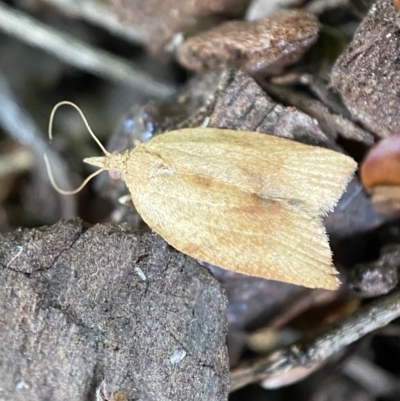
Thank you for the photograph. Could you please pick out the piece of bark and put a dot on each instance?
(81, 305)
(264, 46)
(367, 74)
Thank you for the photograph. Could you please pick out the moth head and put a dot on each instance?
(114, 162)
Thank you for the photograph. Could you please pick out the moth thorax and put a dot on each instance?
(117, 162)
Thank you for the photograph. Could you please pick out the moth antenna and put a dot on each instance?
(62, 191)
(66, 102)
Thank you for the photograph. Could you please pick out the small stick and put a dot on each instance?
(320, 345)
(100, 14)
(78, 53)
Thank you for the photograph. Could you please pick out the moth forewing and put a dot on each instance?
(258, 163)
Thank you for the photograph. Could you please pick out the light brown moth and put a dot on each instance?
(243, 201)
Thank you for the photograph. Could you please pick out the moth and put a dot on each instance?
(244, 201)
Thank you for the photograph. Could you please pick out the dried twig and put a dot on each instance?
(78, 53)
(322, 344)
(101, 14)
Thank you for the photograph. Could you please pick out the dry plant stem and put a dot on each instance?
(78, 53)
(20, 126)
(101, 14)
(321, 344)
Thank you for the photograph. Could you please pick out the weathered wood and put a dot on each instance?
(80, 304)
